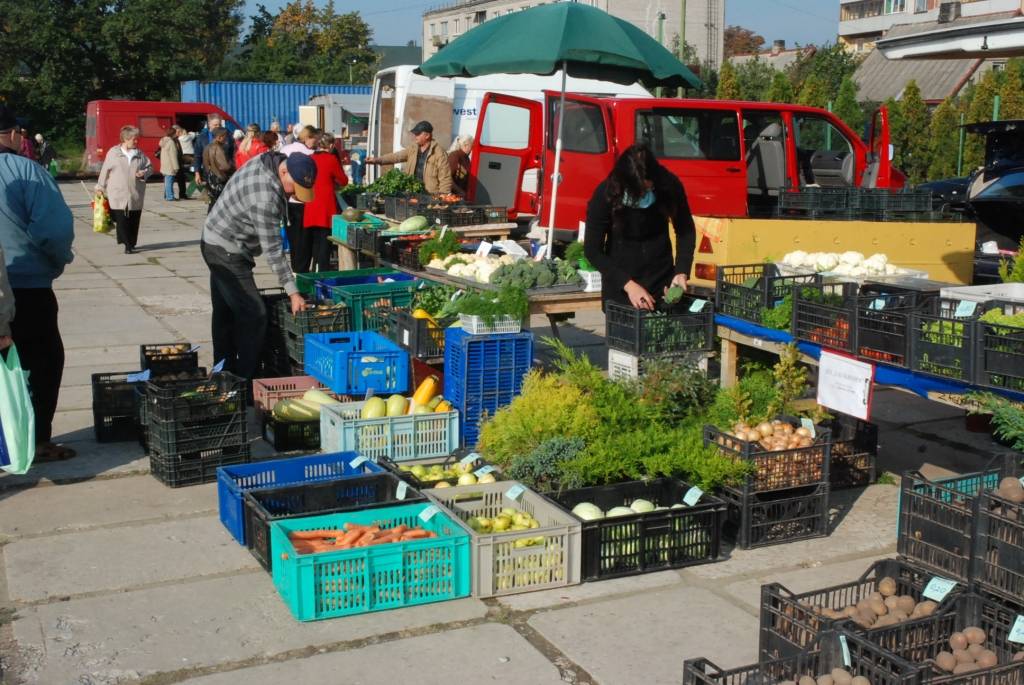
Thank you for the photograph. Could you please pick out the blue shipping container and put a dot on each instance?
(262, 103)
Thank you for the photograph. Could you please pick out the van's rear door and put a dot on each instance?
(505, 166)
(879, 171)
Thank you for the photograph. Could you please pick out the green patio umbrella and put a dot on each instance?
(570, 37)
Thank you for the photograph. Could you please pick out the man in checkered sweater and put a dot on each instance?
(244, 223)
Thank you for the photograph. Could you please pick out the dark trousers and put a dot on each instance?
(312, 250)
(294, 232)
(41, 350)
(127, 224)
(182, 179)
(239, 317)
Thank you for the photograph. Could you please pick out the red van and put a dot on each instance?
(734, 158)
(104, 119)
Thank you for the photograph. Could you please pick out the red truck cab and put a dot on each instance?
(734, 158)
(104, 119)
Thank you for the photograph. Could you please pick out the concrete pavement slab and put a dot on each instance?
(147, 330)
(81, 374)
(72, 422)
(82, 506)
(94, 357)
(75, 397)
(202, 623)
(553, 599)
(112, 459)
(114, 559)
(490, 653)
(171, 286)
(645, 637)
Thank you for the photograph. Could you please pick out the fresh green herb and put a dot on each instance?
(541, 469)
(394, 182)
(439, 246)
(490, 306)
(574, 252)
(433, 299)
(1007, 417)
(781, 316)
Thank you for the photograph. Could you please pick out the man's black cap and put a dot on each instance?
(422, 127)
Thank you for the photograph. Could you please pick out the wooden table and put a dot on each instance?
(348, 256)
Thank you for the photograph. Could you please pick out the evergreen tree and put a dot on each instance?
(814, 93)
(1011, 99)
(728, 83)
(916, 153)
(780, 90)
(896, 131)
(847, 108)
(982, 100)
(755, 78)
(944, 140)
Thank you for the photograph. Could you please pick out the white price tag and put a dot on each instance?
(878, 303)
(846, 651)
(405, 337)
(1017, 632)
(469, 458)
(698, 306)
(809, 425)
(400, 491)
(938, 588)
(428, 512)
(965, 308)
(358, 461)
(484, 249)
(515, 492)
(219, 366)
(483, 470)
(194, 348)
(444, 229)
(138, 377)
(757, 342)
(368, 395)
(692, 496)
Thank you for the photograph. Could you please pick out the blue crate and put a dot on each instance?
(483, 373)
(353, 363)
(325, 287)
(234, 481)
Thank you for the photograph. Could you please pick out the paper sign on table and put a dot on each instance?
(845, 384)
(938, 588)
(692, 496)
(484, 249)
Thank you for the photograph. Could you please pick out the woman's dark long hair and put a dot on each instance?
(636, 165)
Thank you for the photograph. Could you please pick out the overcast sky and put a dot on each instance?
(395, 22)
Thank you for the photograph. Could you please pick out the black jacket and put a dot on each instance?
(641, 250)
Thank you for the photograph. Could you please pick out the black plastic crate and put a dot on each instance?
(439, 215)
(746, 290)
(421, 337)
(180, 470)
(825, 314)
(883, 199)
(466, 215)
(168, 358)
(1001, 363)
(853, 461)
(264, 505)
(777, 470)
(221, 395)
(642, 543)
(115, 407)
(194, 437)
(883, 324)
(404, 469)
(290, 436)
(114, 428)
(320, 318)
(858, 658)
(938, 519)
(184, 380)
(920, 641)
(943, 339)
(495, 215)
(772, 518)
(998, 553)
(792, 621)
(816, 203)
(664, 332)
(394, 207)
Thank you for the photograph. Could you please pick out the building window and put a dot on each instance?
(895, 6)
(456, 27)
(480, 17)
(433, 30)
(920, 6)
(444, 28)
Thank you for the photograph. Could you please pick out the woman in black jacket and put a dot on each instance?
(627, 236)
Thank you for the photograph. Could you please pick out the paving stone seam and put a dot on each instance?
(46, 482)
(6, 539)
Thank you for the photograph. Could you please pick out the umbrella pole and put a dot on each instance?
(558, 163)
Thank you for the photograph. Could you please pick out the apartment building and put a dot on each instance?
(862, 22)
(705, 21)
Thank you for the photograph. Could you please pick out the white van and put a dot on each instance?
(401, 98)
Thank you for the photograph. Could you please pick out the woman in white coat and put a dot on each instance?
(123, 181)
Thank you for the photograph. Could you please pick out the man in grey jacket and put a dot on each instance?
(6, 305)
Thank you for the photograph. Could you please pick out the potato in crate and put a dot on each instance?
(999, 537)
(166, 358)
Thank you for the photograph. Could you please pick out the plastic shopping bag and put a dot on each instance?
(17, 419)
(101, 221)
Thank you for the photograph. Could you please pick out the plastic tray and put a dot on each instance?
(233, 482)
(306, 283)
(353, 363)
(779, 470)
(291, 436)
(642, 543)
(115, 407)
(421, 337)
(883, 325)
(772, 518)
(266, 392)
(370, 304)
(159, 363)
(340, 227)
(998, 554)
(789, 623)
(854, 454)
(1007, 292)
(685, 327)
(943, 344)
(400, 438)
(500, 567)
(476, 325)
(746, 290)
(222, 394)
(265, 505)
(356, 581)
(1001, 354)
(829, 324)
(180, 470)
(475, 461)
(195, 438)
(321, 318)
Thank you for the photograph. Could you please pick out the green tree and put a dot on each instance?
(780, 90)
(944, 140)
(846, 106)
(830, 63)
(983, 97)
(728, 83)
(755, 78)
(814, 92)
(916, 152)
(67, 53)
(1011, 98)
(896, 130)
(741, 41)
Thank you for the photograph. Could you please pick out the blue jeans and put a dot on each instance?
(168, 187)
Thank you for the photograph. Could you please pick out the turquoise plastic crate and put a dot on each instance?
(399, 438)
(306, 283)
(353, 363)
(357, 581)
(371, 303)
(339, 227)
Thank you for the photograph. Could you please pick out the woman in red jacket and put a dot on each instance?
(316, 216)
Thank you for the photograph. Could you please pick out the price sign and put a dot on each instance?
(877, 303)
(484, 249)
(698, 306)
(219, 366)
(938, 588)
(138, 377)
(846, 651)
(515, 492)
(358, 461)
(809, 425)
(692, 496)
(428, 512)
(469, 458)
(1017, 632)
(483, 470)
(845, 385)
(965, 308)
(400, 491)
(405, 337)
